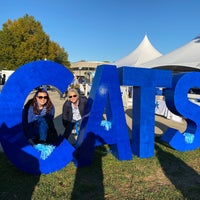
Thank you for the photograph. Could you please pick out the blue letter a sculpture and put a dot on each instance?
(104, 100)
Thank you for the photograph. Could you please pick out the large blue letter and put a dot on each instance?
(12, 99)
(105, 96)
(145, 82)
(178, 102)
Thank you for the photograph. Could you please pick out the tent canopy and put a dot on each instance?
(142, 54)
(187, 55)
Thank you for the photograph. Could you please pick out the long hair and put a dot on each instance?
(48, 104)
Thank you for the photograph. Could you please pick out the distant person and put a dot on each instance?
(75, 82)
(78, 86)
(3, 80)
(38, 115)
(0, 79)
(73, 111)
(130, 92)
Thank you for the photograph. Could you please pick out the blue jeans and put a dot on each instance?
(42, 130)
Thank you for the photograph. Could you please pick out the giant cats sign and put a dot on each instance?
(104, 99)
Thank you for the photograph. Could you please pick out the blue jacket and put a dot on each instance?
(33, 117)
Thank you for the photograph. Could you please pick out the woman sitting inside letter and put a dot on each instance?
(39, 126)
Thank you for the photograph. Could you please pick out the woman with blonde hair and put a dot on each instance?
(73, 111)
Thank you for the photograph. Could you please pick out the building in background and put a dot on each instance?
(85, 70)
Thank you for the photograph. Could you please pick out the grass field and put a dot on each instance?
(168, 175)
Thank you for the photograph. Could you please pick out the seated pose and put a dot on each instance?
(73, 111)
(38, 117)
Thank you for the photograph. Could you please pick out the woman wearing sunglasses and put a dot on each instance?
(73, 111)
(40, 113)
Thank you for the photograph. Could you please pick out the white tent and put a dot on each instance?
(187, 55)
(142, 54)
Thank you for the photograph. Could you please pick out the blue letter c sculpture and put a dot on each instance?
(12, 98)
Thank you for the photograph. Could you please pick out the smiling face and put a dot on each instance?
(73, 97)
(42, 98)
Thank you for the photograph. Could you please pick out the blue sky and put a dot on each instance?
(108, 30)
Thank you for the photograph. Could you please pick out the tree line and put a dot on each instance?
(23, 40)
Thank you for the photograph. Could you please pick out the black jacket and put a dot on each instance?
(67, 110)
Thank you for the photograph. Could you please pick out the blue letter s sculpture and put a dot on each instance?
(12, 99)
(178, 102)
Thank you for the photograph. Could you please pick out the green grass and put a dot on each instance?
(168, 175)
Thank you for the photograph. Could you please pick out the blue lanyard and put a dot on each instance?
(77, 127)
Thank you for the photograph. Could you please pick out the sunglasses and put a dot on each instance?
(42, 97)
(72, 96)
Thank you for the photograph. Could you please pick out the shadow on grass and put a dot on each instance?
(182, 176)
(88, 182)
(15, 184)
